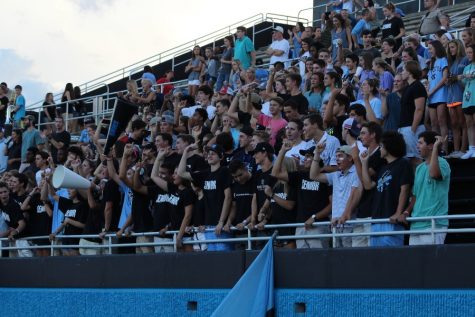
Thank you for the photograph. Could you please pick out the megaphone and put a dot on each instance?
(65, 178)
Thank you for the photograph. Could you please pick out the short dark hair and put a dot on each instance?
(241, 28)
(224, 102)
(353, 57)
(295, 77)
(428, 136)
(187, 138)
(33, 149)
(374, 127)
(292, 104)
(44, 155)
(412, 67)
(203, 113)
(76, 150)
(3, 185)
(366, 32)
(315, 118)
(19, 87)
(394, 143)
(298, 122)
(207, 90)
(166, 137)
(343, 100)
(21, 178)
(225, 139)
(138, 124)
(236, 165)
(359, 109)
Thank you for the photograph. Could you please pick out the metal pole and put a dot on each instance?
(333, 237)
(249, 242)
(67, 115)
(174, 243)
(52, 248)
(110, 242)
(432, 230)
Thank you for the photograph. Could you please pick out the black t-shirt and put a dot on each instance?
(160, 214)
(261, 180)
(141, 214)
(388, 187)
(364, 208)
(280, 215)
(199, 208)
(391, 27)
(12, 215)
(312, 196)
(247, 158)
(63, 137)
(244, 118)
(215, 184)
(408, 106)
(227, 158)
(40, 222)
(196, 163)
(177, 201)
(173, 159)
(14, 152)
(111, 193)
(285, 97)
(50, 109)
(302, 101)
(74, 211)
(3, 112)
(242, 197)
(336, 130)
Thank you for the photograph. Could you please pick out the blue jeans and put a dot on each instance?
(210, 235)
(385, 241)
(222, 77)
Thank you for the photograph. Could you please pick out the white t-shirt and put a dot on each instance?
(342, 186)
(294, 151)
(328, 155)
(188, 112)
(282, 45)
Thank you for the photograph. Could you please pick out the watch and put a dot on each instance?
(314, 217)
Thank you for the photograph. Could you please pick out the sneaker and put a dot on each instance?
(456, 154)
(469, 154)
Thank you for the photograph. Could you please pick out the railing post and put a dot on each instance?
(110, 244)
(67, 115)
(249, 242)
(52, 248)
(333, 236)
(432, 230)
(174, 243)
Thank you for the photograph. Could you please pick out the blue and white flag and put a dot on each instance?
(253, 294)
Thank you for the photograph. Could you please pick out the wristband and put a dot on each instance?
(314, 217)
(244, 222)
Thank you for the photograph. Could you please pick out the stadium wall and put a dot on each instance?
(192, 302)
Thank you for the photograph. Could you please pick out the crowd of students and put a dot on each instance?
(343, 132)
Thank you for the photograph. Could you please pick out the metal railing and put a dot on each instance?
(109, 245)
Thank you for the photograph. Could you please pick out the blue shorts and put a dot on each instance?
(386, 241)
(210, 235)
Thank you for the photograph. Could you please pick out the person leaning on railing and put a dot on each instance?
(430, 194)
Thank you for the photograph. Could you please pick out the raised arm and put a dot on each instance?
(277, 170)
(160, 182)
(315, 173)
(181, 170)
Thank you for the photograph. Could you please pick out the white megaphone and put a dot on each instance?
(65, 178)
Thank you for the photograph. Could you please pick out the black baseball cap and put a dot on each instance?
(264, 147)
(308, 151)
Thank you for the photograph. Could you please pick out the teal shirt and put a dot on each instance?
(432, 195)
(242, 51)
(314, 100)
(469, 92)
(30, 139)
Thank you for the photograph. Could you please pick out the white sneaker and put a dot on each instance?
(469, 154)
(456, 154)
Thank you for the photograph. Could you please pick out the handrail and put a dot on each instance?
(334, 234)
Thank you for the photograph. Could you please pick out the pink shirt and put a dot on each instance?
(272, 126)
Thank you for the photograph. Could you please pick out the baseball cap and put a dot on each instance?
(168, 119)
(278, 29)
(29, 117)
(345, 149)
(264, 147)
(216, 148)
(352, 126)
(308, 151)
(154, 121)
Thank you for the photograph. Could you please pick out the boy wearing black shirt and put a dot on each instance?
(217, 193)
(242, 191)
(263, 154)
(11, 213)
(391, 190)
(313, 198)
